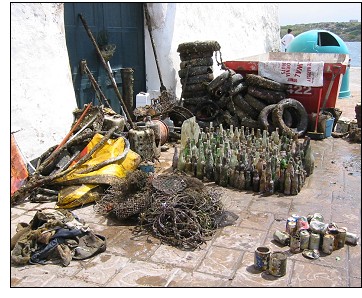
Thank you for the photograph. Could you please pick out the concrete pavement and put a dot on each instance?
(333, 190)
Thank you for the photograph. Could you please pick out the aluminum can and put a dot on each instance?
(295, 244)
(318, 217)
(341, 237)
(302, 223)
(278, 264)
(289, 219)
(351, 238)
(304, 239)
(318, 227)
(291, 228)
(314, 241)
(295, 216)
(328, 244)
(281, 237)
(261, 258)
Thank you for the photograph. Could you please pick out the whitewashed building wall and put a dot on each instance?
(42, 95)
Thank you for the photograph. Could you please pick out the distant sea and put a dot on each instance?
(354, 49)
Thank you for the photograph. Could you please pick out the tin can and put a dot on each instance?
(278, 263)
(351, 238)
(304, 239)
(328, 244)
(295, 244)
(261, 258)
(302, 223)
(314, 241)
(289, 219)
(281, 237)
(295, 216)
(291, 228)
(318, 217)
(318, 227)
(341, 237)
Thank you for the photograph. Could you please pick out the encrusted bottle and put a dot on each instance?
(224, 179)
(209, 167)
(181, 163)
(308, 157)
(256, 181)
(175, 158)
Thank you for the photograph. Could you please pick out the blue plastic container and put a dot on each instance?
(329, 127)
(322, 41)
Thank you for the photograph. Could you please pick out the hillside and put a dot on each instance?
(347, 31)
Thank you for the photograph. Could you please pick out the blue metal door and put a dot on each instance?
(119, 24)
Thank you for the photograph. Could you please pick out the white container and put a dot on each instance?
(142, 99)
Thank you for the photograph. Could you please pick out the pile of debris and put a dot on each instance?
(177, 209)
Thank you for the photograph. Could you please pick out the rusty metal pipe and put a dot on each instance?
(107, 70)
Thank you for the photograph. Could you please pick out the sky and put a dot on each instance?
(305, 13)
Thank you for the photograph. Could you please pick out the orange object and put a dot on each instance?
(19, 172)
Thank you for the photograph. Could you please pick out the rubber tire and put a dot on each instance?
(257, 104)
(262, 82)
(198, 79)
(190, 56)
(198, 46)
(264, 117)
(269, 96)
(240, 102)
(220, 80)
(300, 114)
(196, 100)
(194, 71)
(192, 94)
(197, 62)
(204, 105)
(195, 87)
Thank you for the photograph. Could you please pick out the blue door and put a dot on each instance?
(119, 24)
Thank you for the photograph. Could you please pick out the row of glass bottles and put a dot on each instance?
(247, 159)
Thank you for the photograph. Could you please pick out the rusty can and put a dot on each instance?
(261, 258)
(295, 244)
(341, 237)
(278, 264)
(304, 239)
(351, 238)
(291, 228)
(328, 244)
(302, 223)
(314, 241)
(281, 237)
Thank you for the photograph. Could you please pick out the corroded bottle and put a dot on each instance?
(224, 179)
(209, 167)
(256, 181)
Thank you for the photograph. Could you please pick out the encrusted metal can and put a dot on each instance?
(351, 238)
(327, 246)
(302, 223)
(304, 239)
(295, 244)
(291, 228)
(314, 241)
(261, 258)
(278, 263)
(289, 219)
(341, 237)
(281, 237)
(318, 227)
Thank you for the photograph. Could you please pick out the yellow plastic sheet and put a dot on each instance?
(108, 174)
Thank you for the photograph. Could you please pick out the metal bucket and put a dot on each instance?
(278, 264)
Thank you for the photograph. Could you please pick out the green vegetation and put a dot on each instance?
(347, 31)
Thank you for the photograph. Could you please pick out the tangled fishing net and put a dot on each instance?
(177, 209)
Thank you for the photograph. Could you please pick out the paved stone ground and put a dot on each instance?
(227, 259)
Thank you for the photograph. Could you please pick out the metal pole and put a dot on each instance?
(107, 70)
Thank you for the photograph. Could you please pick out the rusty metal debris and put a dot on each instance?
(178, 209)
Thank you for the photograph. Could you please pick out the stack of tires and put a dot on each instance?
(257, 102)
(196, 71)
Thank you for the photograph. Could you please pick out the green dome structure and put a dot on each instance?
(322, 41)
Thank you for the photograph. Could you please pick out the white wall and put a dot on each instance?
(42, 95)
(241, 29)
